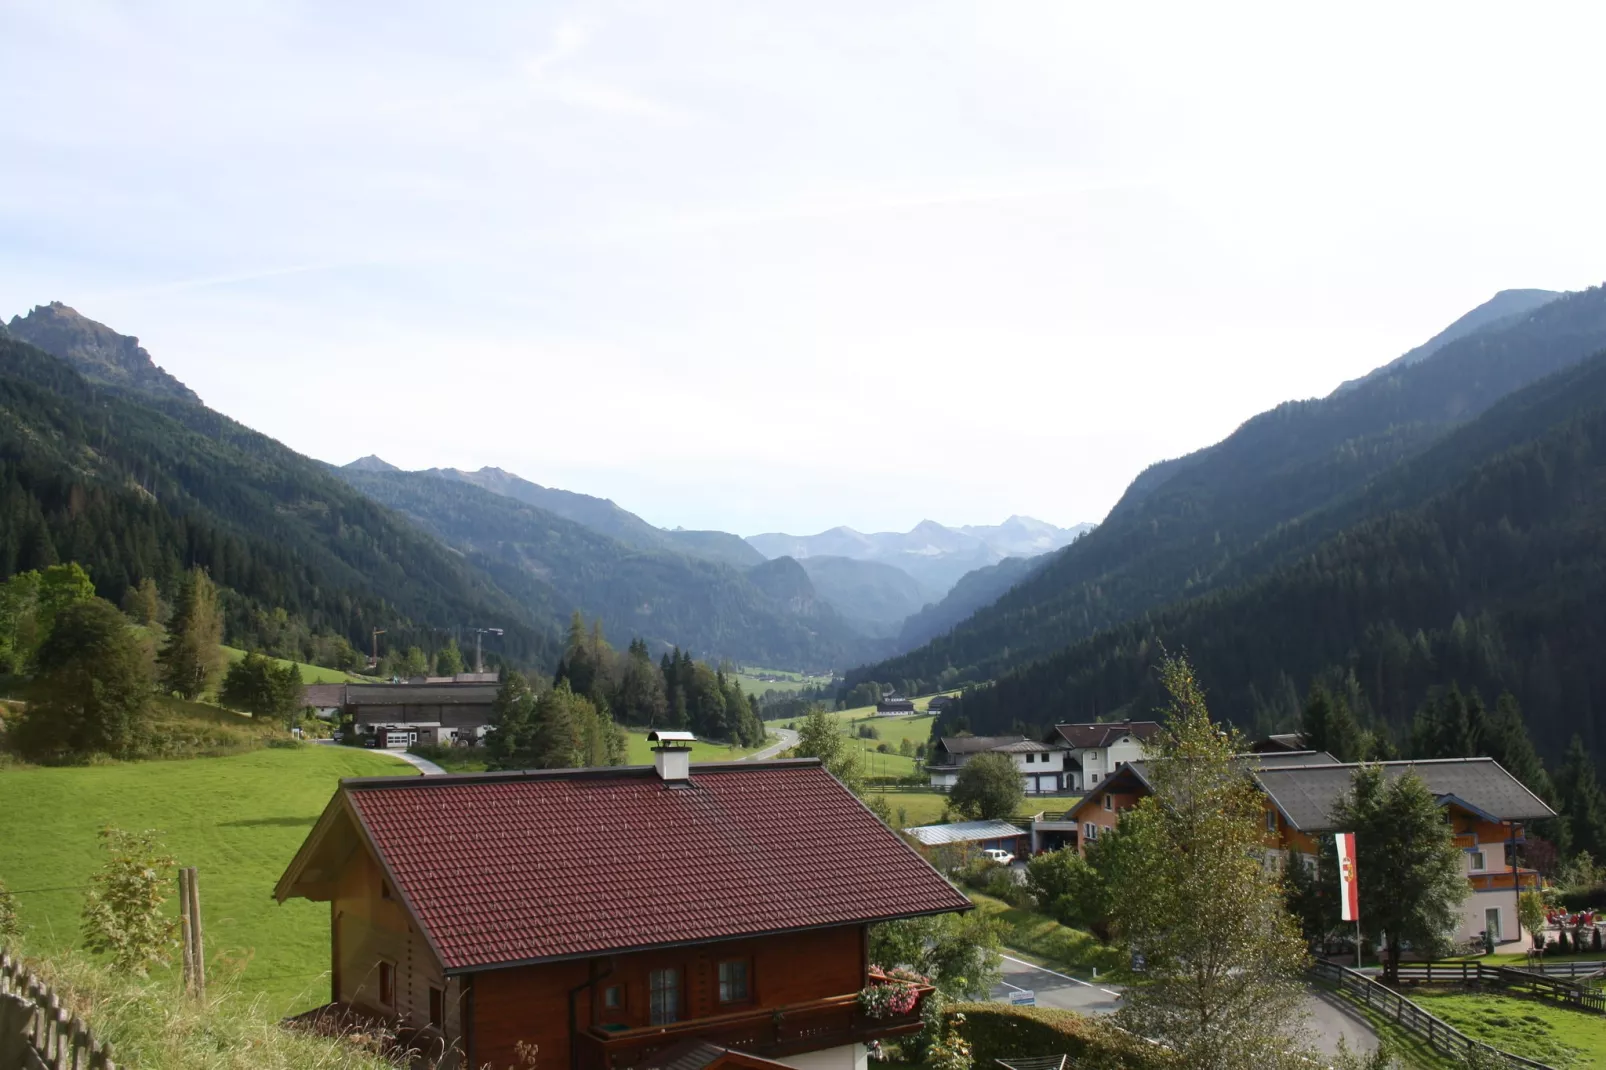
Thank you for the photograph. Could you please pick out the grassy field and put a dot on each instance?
(472, 760)
(1551, 1034)
(1054, 945)
(310, 674)
(238, 819)
(754, 682)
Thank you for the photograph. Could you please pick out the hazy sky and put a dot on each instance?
(782, 266)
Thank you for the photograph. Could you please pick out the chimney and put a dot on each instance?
(672, 756)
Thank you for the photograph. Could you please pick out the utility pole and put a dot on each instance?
(377, 633)
(479, 653)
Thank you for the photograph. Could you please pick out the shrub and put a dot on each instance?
(1588, 897)
(996, 1031)
(123, 911)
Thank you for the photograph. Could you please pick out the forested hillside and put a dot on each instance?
(602, 515)
(134, 486)
(668, 598)
(1482, 563)
(1183, 527)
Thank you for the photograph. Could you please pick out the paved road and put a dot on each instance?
(788, 740)
(423, 765)
(1330, 1017)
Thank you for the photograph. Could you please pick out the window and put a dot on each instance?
(387, 984)
(1109, 801)
(1271, 820)
(1475, 860)
(437, 1008)
(613, 998)
(1090, 832)
(665, 1002)
(733, 981)
(1094, 779)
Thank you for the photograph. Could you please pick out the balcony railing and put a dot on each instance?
(768, 1031)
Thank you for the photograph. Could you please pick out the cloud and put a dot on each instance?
(549, 76)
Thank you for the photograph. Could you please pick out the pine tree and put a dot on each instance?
(191, 658)
(449, 662)
(508, 742)
(559, 719)
(1506, 741)
(1328, 724)
(1582, 802)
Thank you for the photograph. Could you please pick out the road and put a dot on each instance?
(1330, 1018)
(788, 740)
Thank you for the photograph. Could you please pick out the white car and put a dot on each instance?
(998, 855)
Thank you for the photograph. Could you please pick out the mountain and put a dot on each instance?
(976, 589)
(602, 515)
(134, 483)
(709, 609)
(1480, 561)
(936, 556)
(372, 463)
(1503, 309)
(1021, 536)
(1185, 527)
(99, 353)
(873, 597)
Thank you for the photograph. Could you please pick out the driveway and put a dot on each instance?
(1330, 1017)
(423, 765)
(788, 740)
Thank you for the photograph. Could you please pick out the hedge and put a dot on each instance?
(1592, 897)
(999, 1031)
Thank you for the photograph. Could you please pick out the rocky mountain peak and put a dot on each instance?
(96, 351)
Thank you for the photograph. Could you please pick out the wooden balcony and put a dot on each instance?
(769, 1032)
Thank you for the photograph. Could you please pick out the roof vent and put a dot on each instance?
(672, 756)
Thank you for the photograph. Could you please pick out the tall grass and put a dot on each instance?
(152, 1025)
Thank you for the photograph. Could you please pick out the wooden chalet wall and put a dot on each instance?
(531, 1003)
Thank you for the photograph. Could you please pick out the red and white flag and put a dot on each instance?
(1349, 889)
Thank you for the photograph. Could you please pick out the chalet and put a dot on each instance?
(1089, 752)
(617, 918)
(397, 715)
(1485, 805)
(894, 706)
(1039, 765)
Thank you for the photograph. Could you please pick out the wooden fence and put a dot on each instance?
(1529, 982)
(1441, 1035)
(35, 1030)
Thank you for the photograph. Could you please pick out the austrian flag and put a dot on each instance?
(1349, 888)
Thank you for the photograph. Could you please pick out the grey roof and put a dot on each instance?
(1306, 794)
(420, 694)
(1103, 733)
(977, 744)
(323, 696)
(1025, 746)
(964, 832)
(1278, 759)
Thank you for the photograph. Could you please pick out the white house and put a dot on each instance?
(1087, 753)
(1039, 763)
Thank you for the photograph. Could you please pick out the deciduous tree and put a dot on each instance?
(449, 661)
(1223, 956)
(123, 914)
(262, 688)
(1408, 865)
(91, 693)
(818, 737)
(989, 786)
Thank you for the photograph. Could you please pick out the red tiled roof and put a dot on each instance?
(1101, 734)
(507, 868)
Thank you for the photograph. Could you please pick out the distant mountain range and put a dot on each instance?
(936, 556)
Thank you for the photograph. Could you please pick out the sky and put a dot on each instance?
(779, 267)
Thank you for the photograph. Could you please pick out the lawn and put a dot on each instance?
(472, 760)
(238, 819)
(1046, 940)
(310, 674)
(1551, 1034)
(756, 681)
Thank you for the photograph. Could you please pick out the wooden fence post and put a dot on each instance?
(198, 931)
(184, 930)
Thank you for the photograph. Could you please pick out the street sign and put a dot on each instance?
(1139, 963)
(1023, 999)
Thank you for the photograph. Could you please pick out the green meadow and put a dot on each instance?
(238, 819)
